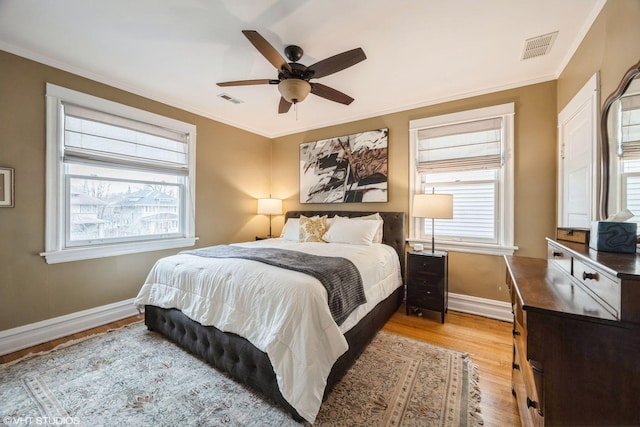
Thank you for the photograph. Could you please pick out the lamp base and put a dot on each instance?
(433, 240)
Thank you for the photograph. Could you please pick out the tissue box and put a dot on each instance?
(610, 236)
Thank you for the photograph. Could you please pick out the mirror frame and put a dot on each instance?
(631, 74)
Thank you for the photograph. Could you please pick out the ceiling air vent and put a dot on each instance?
(230, 98)
(538, 46)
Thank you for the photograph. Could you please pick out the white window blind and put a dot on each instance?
(94, 136)
(474, 205)
(461, 146)
(629, 138)
(632, 195)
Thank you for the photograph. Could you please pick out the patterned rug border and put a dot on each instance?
(473, 392)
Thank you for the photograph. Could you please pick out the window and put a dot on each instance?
(628, 151)
(470, 155)
(119, 180)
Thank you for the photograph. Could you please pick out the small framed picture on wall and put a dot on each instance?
(6, 187)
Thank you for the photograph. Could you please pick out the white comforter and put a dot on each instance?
(283, 313)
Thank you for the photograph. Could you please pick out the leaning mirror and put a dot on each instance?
(620, 148)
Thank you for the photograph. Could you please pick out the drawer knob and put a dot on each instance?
(515, 333)
(531, 403)
(516, 366)
(592, 276)
(556, 254)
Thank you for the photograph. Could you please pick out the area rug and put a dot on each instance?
(130, 376)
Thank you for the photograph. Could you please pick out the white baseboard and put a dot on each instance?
(493, 309)
(36, 333)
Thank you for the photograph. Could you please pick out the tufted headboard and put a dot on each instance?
(393, 233)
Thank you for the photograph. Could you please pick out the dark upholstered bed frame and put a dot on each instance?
(236, 356)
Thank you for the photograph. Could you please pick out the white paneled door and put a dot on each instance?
(578, 158)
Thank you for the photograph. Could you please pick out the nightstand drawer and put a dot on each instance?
(432, 285)
(425, 267)
(428, 300)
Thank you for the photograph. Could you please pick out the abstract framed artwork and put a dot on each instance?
(6, 187)
(345, 169)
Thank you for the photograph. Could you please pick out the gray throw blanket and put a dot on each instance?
(338, 275)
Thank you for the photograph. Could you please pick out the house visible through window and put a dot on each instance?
(119, 180)
(468, 155)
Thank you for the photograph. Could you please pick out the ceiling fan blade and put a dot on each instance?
(249, 82)
(337, 62)
(266, 50)
(330, 94)
(284, 106)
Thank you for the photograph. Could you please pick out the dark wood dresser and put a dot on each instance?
(576, 334)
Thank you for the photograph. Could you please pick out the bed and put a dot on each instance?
(237, 355)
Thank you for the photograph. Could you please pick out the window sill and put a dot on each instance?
(473, 248)
(78, 254)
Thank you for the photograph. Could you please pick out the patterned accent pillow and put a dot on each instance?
(312, 229)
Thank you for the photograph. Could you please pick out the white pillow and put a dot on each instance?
(376, 216)
(352, 231)
(291, 229)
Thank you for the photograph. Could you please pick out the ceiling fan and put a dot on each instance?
(294, 78)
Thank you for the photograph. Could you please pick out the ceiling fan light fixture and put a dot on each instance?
(294, 90)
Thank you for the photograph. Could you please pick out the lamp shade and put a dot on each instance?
(269, 207)
(435, 206)
(294, 90)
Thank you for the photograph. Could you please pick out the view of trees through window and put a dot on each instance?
(104, 208)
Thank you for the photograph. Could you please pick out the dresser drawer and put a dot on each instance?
(519, 315)
(559, 257)
(520, 327)
(602, 287)
(576, 235)
(525, 389)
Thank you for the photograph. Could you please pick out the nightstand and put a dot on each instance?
(427, 281)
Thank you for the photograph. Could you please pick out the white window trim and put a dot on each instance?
(54, 239)
(505, 230)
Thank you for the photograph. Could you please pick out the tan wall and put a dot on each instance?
(535, 177)
(611, 46)
(233, 168)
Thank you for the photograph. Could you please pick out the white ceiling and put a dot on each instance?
(419, 52)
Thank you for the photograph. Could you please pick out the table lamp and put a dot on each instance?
(269, 207)
(434, 206)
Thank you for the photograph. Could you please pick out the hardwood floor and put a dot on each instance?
(489, 342)
(52, 344)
